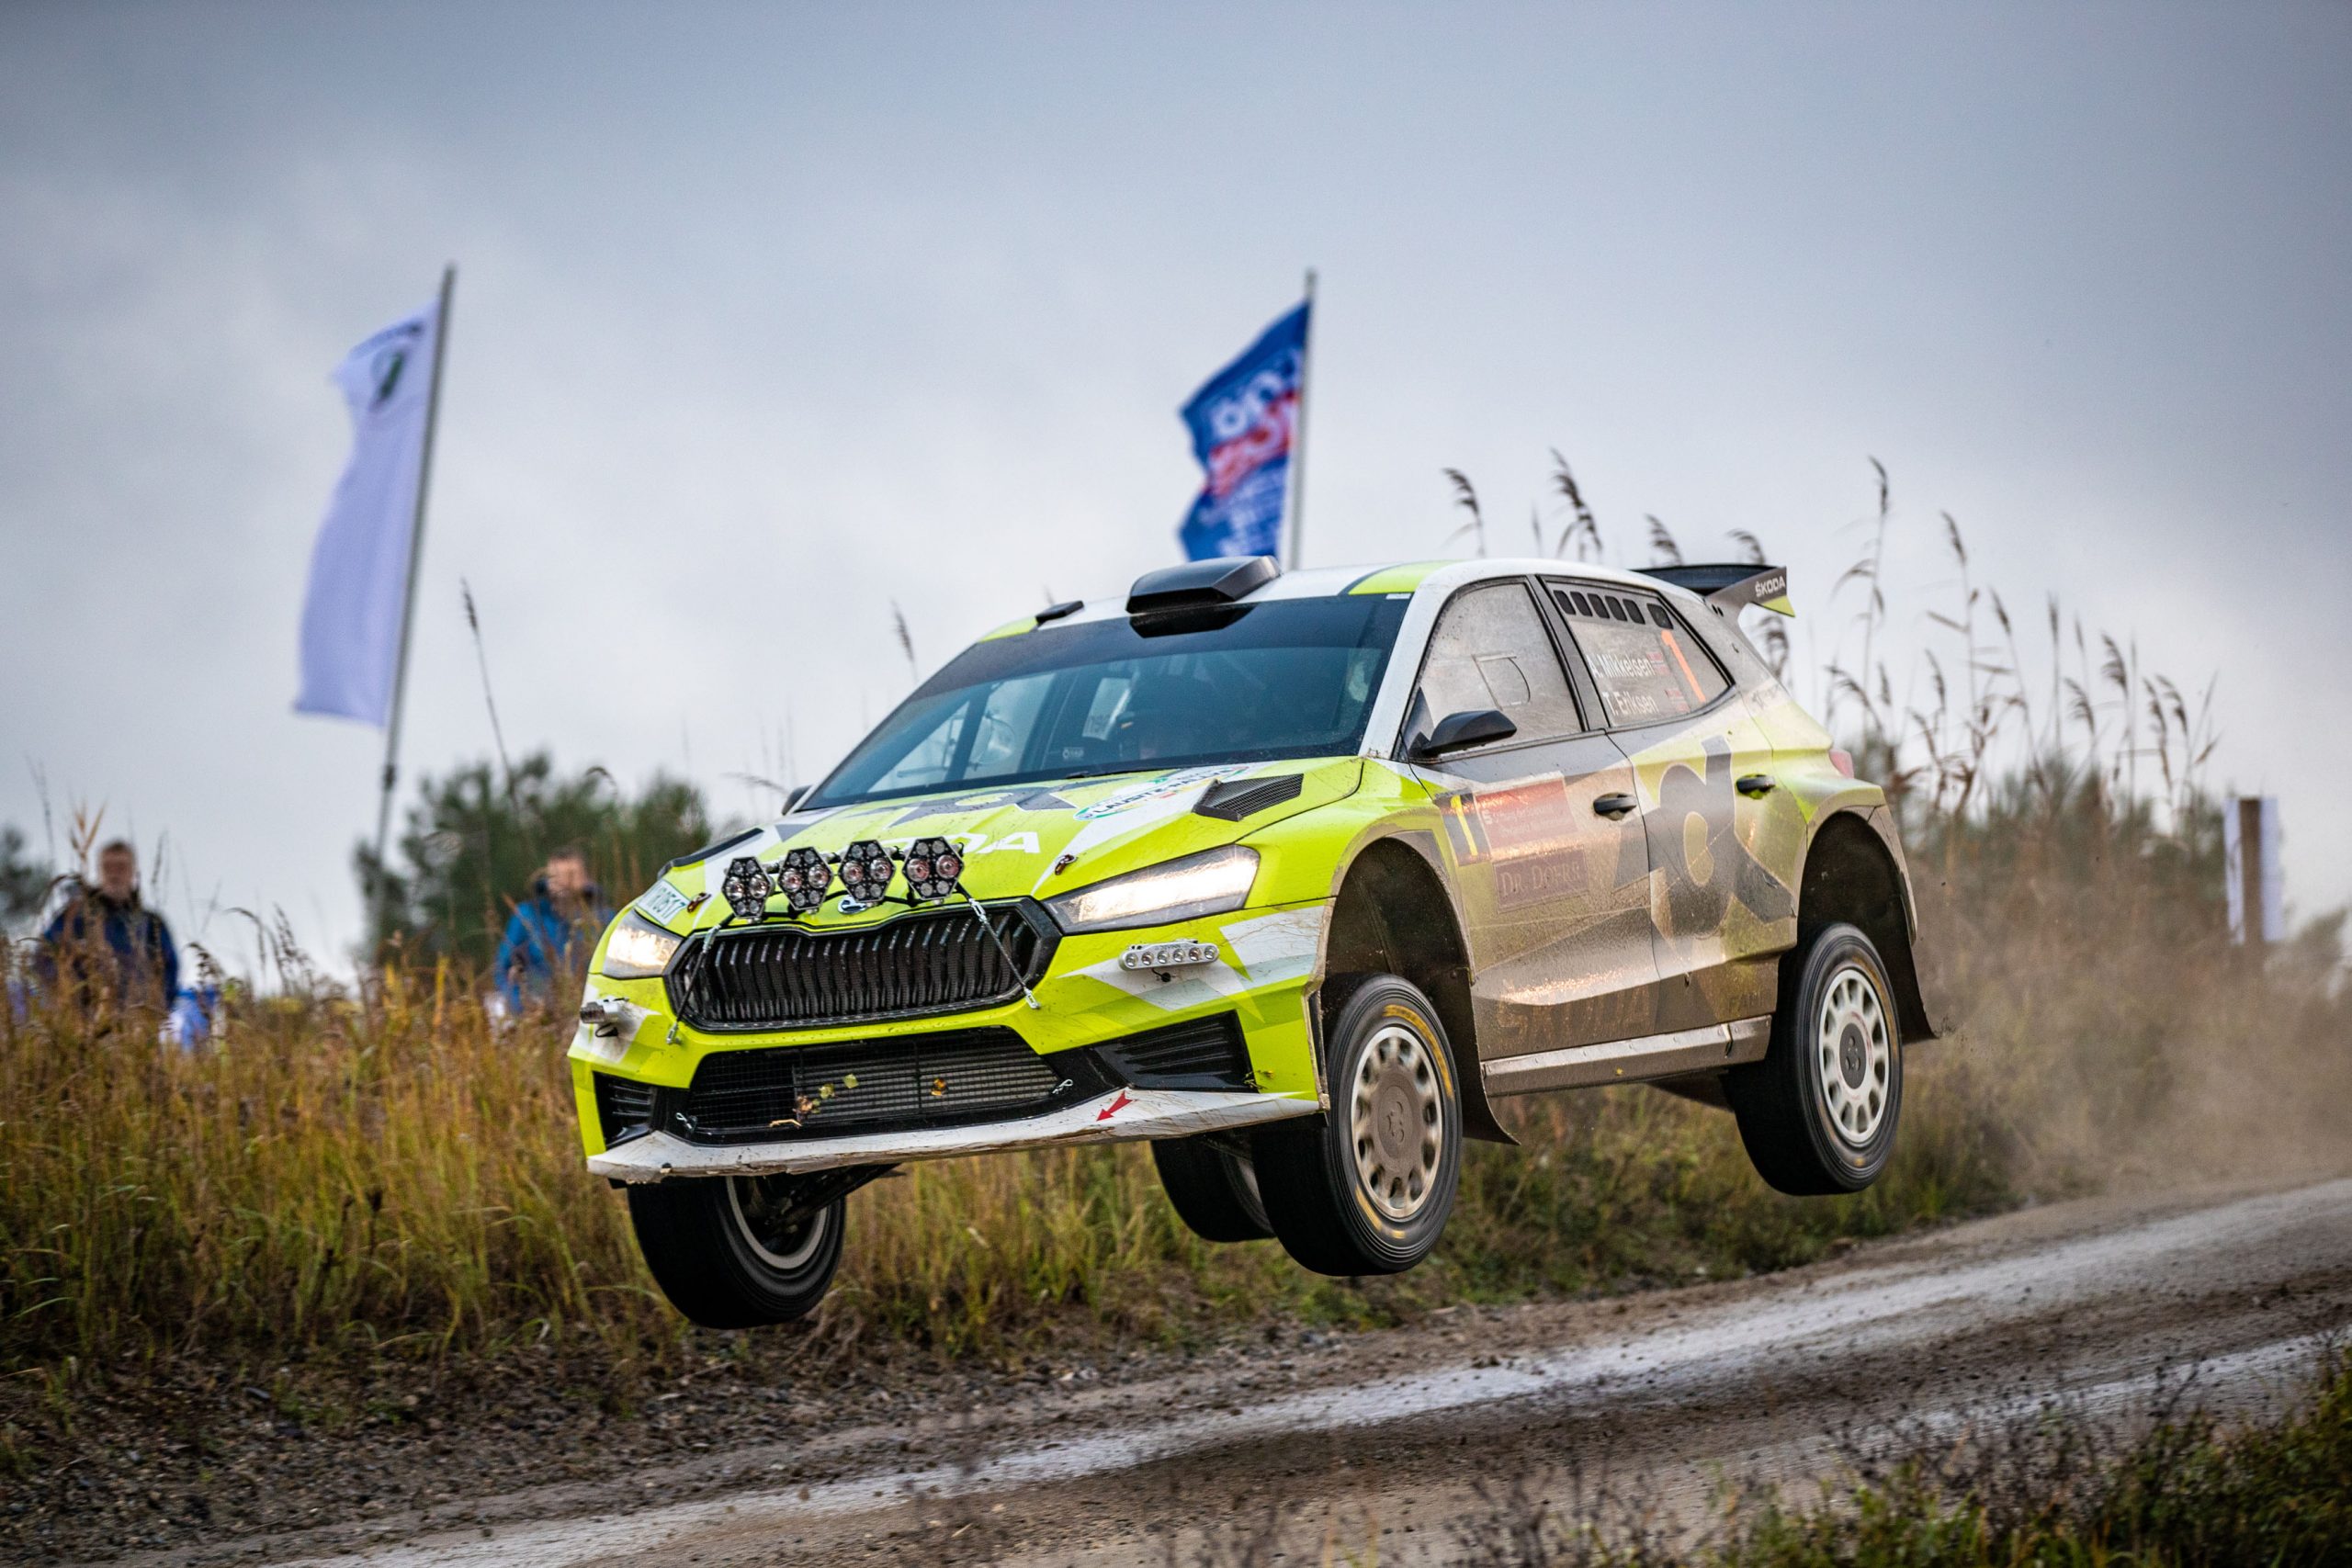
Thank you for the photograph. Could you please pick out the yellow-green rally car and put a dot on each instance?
(1294, 875)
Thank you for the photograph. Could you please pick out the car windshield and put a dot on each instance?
(1292, 677)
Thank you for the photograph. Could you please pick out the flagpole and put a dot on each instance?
(1298, 436)
(416, 553)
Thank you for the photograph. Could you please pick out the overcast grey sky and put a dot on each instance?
(895, 302)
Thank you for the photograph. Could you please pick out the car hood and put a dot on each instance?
(1034, 839)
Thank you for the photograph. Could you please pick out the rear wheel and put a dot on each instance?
(1214, 1189)
(1818, 1113)
(1366, 1187)
(738, 1251)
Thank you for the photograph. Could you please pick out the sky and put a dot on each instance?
(769, 319)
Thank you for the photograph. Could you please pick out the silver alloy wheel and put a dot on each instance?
(758, 1212)
(1855, 1055)
(1396, 1119)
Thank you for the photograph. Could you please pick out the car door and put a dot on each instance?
(1546, 850)
(1703, 768)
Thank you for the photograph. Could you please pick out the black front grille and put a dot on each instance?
(796, 1091)
(624, 1108)
(1207, 1053)
(788, 977)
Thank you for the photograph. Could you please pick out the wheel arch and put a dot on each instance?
(1392, 915)
(1854, 875)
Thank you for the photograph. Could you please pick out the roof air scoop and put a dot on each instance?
(1201, 584)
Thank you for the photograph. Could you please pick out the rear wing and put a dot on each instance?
(1730, 585)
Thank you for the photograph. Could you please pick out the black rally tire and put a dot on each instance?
(1344, 1213)
(1818, 1113)
(714, 1252)
(1215, 1190)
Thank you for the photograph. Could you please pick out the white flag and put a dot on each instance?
(351, 621)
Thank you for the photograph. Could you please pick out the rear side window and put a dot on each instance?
(1647, 665)
(1490, 650)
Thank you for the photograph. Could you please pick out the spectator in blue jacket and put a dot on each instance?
(552, 932)
(105, 942)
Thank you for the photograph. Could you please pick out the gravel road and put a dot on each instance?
(1399, 1435)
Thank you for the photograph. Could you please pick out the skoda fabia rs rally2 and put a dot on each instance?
(1295, 876)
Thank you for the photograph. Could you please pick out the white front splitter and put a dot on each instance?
(1107, 1119)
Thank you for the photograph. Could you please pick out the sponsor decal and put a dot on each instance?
(986, 800)
(1527, 817)
(1463, 832)
(1161, 788)
(1021, 843)
(1530, 831)
(1540, 881)
(1698, 864)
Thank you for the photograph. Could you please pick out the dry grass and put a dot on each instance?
(392, 1178)
(386, 1176)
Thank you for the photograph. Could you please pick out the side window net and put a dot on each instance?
(1648, 667)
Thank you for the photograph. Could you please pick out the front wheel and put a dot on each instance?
(1366, 1187)
(1819, 1112)
(738, 1251)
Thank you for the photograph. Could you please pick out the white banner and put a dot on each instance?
(351, 620)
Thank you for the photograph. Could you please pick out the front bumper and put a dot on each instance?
(1120, 1117)
(1087, 1000)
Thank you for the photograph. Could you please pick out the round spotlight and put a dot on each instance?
(933, 867)
(802, 878)
(865, 871)
(746, 888)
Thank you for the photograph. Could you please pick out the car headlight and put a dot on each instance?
(638, 949)
(1206, 884)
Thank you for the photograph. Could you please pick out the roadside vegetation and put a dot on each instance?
(2062, 1489)
(351, 1178)
(2167, 1486)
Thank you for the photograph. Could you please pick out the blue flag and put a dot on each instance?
(1242, 421)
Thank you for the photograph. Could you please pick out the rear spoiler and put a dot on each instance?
(1730, 586)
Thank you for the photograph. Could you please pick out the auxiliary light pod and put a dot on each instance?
(934, 869)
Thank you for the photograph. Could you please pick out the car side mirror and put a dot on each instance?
(1457, 731)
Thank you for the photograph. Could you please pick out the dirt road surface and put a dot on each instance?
(1391, 1437)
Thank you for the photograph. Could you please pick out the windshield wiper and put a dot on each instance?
(1108, 769)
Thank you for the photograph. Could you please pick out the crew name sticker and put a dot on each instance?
(662, 903)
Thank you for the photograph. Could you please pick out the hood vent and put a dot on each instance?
(1229, 800)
